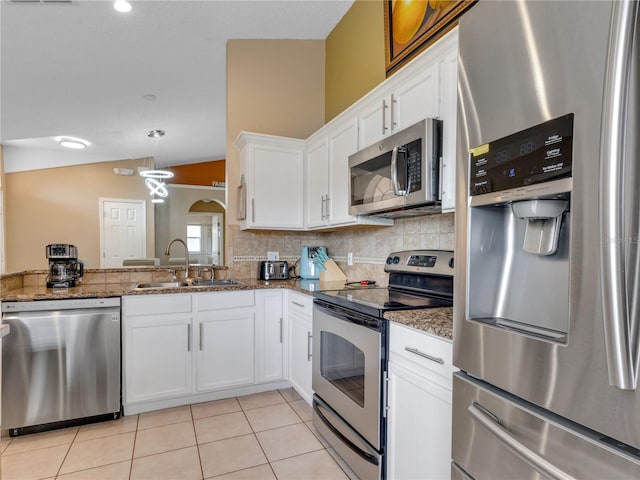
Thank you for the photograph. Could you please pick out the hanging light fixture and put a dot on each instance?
(157, 173)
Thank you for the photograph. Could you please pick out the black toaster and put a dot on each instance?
(273, 270)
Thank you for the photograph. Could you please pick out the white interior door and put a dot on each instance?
(123, 231)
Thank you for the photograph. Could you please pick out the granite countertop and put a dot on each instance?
(101, 290)
(437, 321)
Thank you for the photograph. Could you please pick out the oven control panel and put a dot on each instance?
(437, 262)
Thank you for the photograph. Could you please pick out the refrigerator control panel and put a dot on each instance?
(535, 155)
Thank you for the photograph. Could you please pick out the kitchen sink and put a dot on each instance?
(193, 283)
(213, 283)
(160, 285)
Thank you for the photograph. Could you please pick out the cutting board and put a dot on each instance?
(332, 272)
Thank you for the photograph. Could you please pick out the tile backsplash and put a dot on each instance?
(370, 246)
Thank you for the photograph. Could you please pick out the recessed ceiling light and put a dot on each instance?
(155, 133)
(122, 6)
(75, 144)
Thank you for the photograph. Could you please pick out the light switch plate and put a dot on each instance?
(271, 256)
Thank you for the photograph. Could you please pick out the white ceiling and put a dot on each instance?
(81, 70)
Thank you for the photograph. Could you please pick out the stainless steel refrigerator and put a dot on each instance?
(547, 287)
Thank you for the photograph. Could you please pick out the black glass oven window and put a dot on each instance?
(342, 364)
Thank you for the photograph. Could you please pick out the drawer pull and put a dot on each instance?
(424, 355)
(298, 304)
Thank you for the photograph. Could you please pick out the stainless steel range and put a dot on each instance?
(350, 370)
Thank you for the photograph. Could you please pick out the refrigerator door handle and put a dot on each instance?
(490, 422)
(621, 348)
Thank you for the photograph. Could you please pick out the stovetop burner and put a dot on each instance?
(417, 279)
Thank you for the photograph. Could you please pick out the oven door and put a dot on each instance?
(347, 369)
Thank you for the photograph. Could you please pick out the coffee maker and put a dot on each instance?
(64, 267)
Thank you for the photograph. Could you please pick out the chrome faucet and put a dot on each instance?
(186, 255)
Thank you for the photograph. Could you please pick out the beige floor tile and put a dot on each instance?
(35, 441)
(273, 416)
(4, 443)
(217, 407)
(115, 471)
(310, 466)
(261, 472)
(290, 395)
(164, 417)
(287, 441)
(181, 464)
(210, 429)
(315, 432)
(261, 399)
(229, 455)
(163, 439)
(98, 452)
(112, 427)
(41, 463)
(303, 409)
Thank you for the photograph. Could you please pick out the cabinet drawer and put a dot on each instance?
(218, 300)
(301, 303)
(423, 353)
(155, 304)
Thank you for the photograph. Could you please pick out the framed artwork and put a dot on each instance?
(412, 25)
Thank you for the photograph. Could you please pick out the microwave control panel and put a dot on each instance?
(535, 155)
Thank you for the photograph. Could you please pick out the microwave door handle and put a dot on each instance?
(620, 345)
(394, 173)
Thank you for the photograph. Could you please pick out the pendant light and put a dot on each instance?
(157, 173)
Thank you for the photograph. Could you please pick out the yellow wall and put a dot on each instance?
(61, 205)
(274, 87)
(355, 56)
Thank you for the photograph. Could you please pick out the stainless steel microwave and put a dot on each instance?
(399, 176)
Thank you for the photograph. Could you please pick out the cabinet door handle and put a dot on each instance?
(297, 303)
(424, 355)
(253, 210)
(188, 337)
(309, 337)
(201, 332)
(327, 205)
(384, 116)
(393, 107)
(323, 208)
(281, 329)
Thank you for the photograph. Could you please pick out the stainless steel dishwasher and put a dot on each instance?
(60, 363)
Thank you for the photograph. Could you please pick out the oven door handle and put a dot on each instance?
(364, 455)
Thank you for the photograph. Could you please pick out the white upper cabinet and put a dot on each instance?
(304, 185)
(327, 176)
(273, 173)
(404, 99)
(449, 110)
(316, 183)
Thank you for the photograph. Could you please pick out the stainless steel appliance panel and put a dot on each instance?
(347, 371)
(524, 442)
(60, 364)
(365, 461)
(521, 64)
(398, 174)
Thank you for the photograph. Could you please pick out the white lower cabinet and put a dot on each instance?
(156, 340)
(225, 353)
(270, 336)
(300, 310)
(419, 416)
(194, 347)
